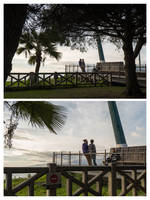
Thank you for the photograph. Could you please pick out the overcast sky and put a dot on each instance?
(85, 119)
(111, 53)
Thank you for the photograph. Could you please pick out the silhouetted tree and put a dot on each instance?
(122, 24)
(14, 19)
(37, 45)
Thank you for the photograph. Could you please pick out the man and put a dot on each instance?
(92, 151)
(85, 150)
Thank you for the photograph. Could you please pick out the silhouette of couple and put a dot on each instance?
(89, 151)
(82, 65)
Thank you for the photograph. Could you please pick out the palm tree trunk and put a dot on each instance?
(38, 64)
(14, 19)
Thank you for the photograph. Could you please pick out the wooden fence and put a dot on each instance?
(54, 80)
(133, 178)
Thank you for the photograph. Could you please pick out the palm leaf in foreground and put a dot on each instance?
(39, 114)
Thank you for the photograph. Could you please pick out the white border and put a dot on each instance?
(147, 100)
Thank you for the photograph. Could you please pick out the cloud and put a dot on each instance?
(135, 134)
(86, 119)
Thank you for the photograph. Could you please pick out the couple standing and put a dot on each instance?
(82, 65)
(89, 151)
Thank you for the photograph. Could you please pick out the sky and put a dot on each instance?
(111, 53)
(85, 119)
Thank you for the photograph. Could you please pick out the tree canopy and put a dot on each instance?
(120, 23)
(117, 21)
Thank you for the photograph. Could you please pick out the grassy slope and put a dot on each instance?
(40, 190)
(92, 92)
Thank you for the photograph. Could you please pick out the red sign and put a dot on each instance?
(53, 178)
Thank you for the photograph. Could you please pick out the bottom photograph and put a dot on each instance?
(75, 148)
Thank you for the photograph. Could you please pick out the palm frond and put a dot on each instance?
(51, 50)
(21, 50)
(32, 60)
(41, 114)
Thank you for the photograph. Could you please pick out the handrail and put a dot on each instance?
(134, 174)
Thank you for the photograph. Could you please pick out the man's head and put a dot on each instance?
(85, 141)
(92, 141)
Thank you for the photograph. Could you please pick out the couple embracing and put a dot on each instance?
(89, 151)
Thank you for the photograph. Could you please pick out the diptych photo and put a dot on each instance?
(74, 100)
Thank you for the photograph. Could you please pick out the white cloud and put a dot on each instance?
(86, 119)
(135, 134)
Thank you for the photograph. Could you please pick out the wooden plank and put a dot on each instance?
(9, 184)
(123, 184)
(99, 186)
(27, 182)
(90, 183)
(134, 189)
(112, 189)
(82, 168)
(85, 181)
(69, 187)
(31, 189)
(25, 170)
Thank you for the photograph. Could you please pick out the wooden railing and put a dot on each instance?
(54, 80)
(133, 178)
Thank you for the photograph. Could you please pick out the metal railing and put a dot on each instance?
(78, 158)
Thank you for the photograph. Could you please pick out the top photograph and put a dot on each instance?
(75, 51)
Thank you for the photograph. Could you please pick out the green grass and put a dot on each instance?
(41, 191)
(86, 92)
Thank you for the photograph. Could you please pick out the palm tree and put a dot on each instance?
(37, 45)
(39, 113)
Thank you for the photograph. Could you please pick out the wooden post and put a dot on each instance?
(85, 181)
(11, 80)
(31, 189)
(105, 154)
(99, 185)
(69, 158)
(95, 79)
(44, 79)
(143, 183)
(54, 161)
(51, 191)
(112, 180)
(9, 183)
(123, 184)
(61, 158)
(18, 80)
(69, 187)
(76, 80)
(134, 176)
(79, 158)
(55, 79)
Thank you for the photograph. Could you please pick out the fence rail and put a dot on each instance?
(54, 80)
(133, 178)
